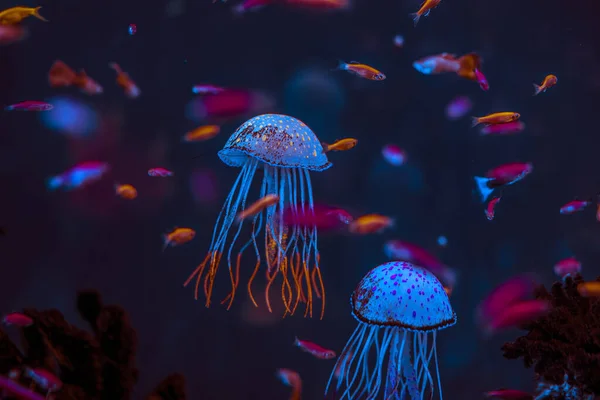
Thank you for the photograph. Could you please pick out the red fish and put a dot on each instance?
(518, 314)
(504, 175)
(30, 105)
(17, 319)
(314, 349)
(409, 252)
(481, 79)
(159, 172)
(566, 267)
(510, 292)
(78, 176)
(491, 207)
(508, 128)
(508, 394)
(207, 88)
(574, 206)
(10, 34)
(321, 216)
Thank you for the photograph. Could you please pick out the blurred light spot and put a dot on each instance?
(71, 117)
(442, 241)
(132, 29)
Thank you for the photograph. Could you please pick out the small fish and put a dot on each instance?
(202, 133)
(574, 206)
(78, 176)
(414, 254)
(504, 175)
(131, 89)
(178, 237)
(207, 89)
(458, 108)
(567, 267)
(425, 9)
(340, 145)
(258, 206)
(490, 210)
(159, 172)
(314, 349)
(30, 105)
(508, 128)
(514, 290)
(399, 41)
(508, 394)
(127, 192)
(549, 81)
(18, 319)
(589, 289)
(463, 66)
(47, 380)
(370, 223)
(322, 217)
(518, 314)
(482, 80)
(362, 70)
(496, 118)
(394, 155)
(10, 34)
(61, 75)
(14, 15)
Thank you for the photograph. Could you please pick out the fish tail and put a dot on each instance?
(116, 67)
(474, 122)
(61, 74)
(415, 17)
(54, 182)
(537, 89)
(482, 187)
(166, 242)
(342, 65)
(36, 13)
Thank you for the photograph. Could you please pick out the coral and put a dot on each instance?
(92, 366)
(563, 346)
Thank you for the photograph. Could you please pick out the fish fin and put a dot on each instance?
(166, 242)
(36, 13)
(325, 147)
(474, 122)
(416, 17)
(426, 14)
(482, 187)
(537, 89)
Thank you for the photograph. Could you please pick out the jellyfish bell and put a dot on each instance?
(286, 149)
(399, 306)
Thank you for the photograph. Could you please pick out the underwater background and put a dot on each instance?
(56, 243)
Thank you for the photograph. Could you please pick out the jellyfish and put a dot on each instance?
(399, 307)
(286, 150)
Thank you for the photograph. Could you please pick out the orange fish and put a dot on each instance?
(463, 66)
(202, 133)
(549, 81)
(496, 118)
(371, 223)
(14, 15)
(425, 9)
(340, 145)
(61, 75)
(127, 192)
(258, 206)
(314, 349)
(178, 236)
(362, 70)
(123, 80)
(589, 289)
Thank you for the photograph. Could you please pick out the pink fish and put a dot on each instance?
(566, 267)
(17, 319)
(314, 349)
(159, 172)
(508, 394)
(481, 79)
(30, 105)
(9, 386)
(512, 291)
(409, 252)
(394, 155)
(458, 107)
(504, 175)
(518, 314)
(509, 128)
(490, 210)
(321, 216)
(574, 206)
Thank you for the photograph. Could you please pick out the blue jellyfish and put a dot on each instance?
(399, 306)
(286, 150)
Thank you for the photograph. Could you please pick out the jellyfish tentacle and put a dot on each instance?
(409, 374)
(437, 366)
(362, 358)
(256, 227)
